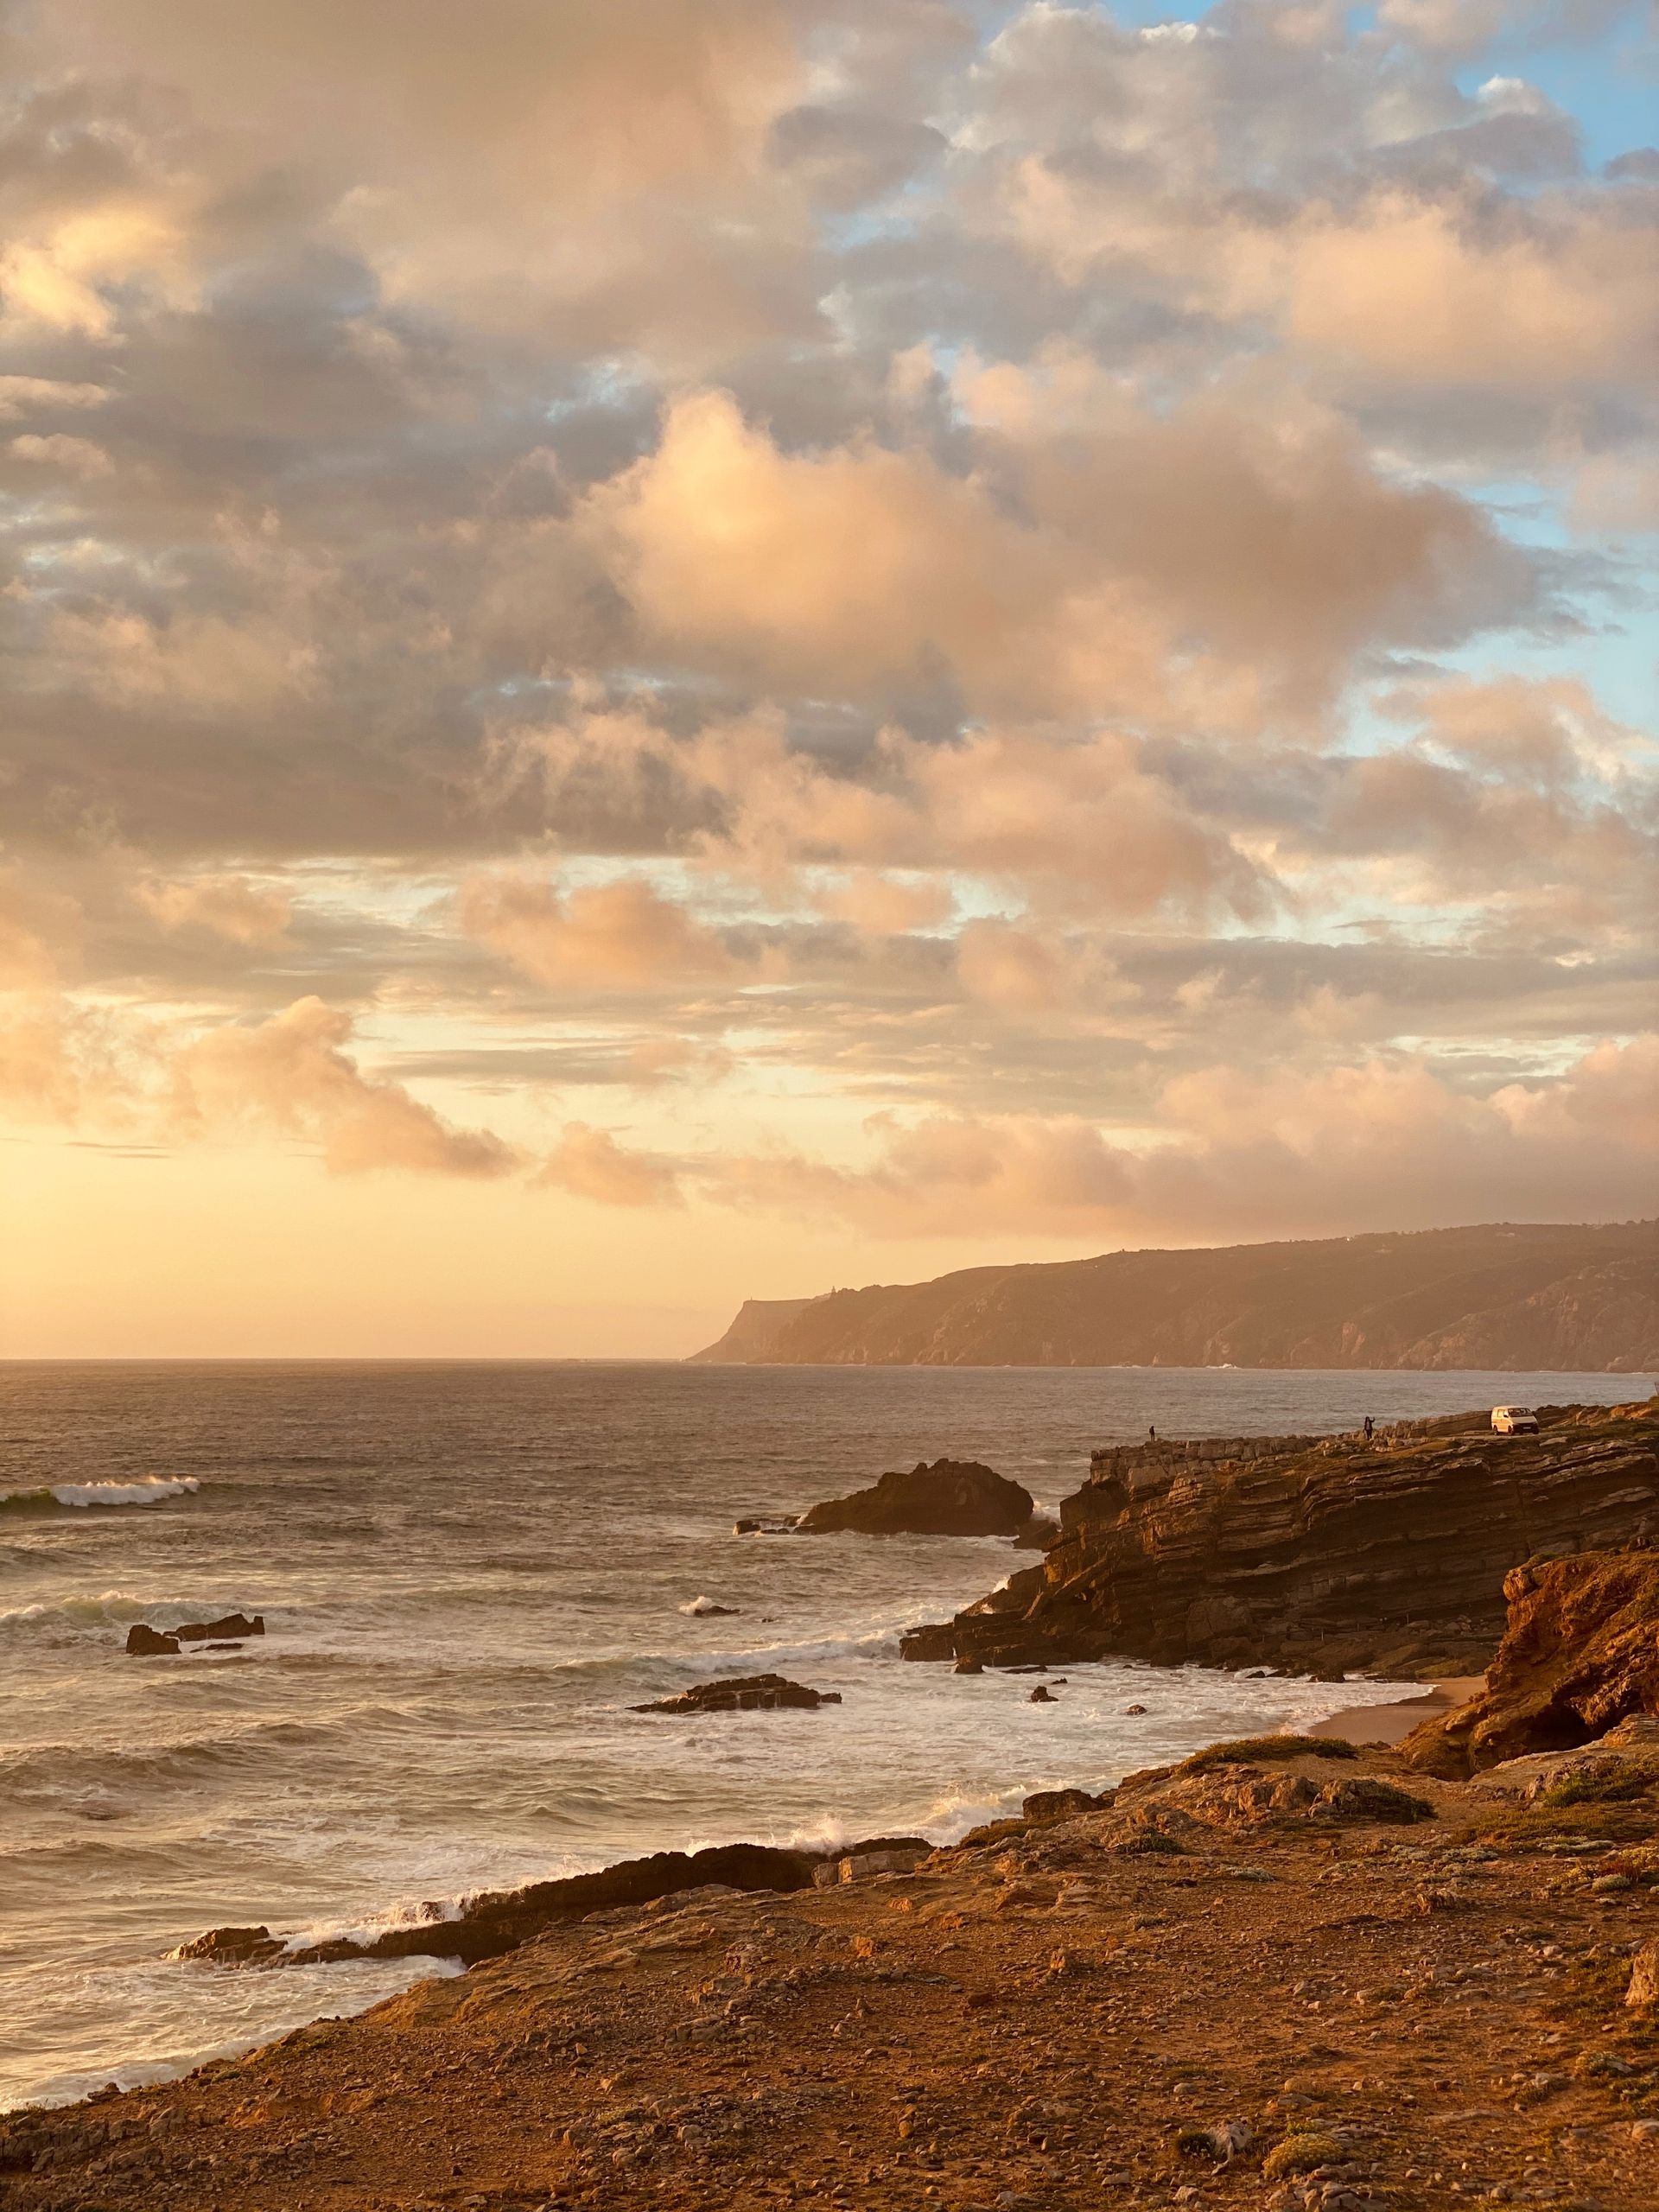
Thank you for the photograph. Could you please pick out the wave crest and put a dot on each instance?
(144, 1489)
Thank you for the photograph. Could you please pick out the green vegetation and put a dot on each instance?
(1246, 1751)
(1298, 2154)
(1614, 1782)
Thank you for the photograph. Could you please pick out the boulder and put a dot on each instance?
(969, 1667)
(744, 1693)
(143, 1642)
(1042, 1695)
(951, 1498)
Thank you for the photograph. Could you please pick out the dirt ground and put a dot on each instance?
(1291, 2006)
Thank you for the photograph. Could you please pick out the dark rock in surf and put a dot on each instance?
(143, 1642)
(237, 1624)
(744, 1693)
(951, 1498)
(232, 1947)
(767, 1524)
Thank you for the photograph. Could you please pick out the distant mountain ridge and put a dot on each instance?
(1526, 1297)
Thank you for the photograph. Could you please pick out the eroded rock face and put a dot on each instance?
(1319, 1553)
(1579, 1656)
(744, 1693)
(233, 1625)
(950, 1497)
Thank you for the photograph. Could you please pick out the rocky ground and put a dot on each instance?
(1266, 1978)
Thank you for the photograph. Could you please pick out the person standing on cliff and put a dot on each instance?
(1152, 1436)
(1370, 1428)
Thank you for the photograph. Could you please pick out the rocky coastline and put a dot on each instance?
(1307, 1974)
(1323, 1554)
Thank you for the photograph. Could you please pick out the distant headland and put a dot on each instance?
(1519, 1297)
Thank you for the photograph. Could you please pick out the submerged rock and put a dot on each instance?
(744, 1693)
(951, 1498)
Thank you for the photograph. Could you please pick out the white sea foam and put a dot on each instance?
(147, 1490)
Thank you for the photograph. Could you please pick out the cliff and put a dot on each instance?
(759, 1322)
(1318, 1554)
(1522, 1298)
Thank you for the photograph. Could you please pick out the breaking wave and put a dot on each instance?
(145, 1490)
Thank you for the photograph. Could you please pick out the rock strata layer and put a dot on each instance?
(1324, 1554)
(948, 1498)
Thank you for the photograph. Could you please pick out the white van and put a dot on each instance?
(1515, 1420)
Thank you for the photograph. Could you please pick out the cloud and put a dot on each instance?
(290, 1076)
(76, 456)
(1057, 580)
(228, 906)
(599, 935)
(590, 1164)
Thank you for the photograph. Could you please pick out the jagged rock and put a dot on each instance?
(1327, 1554)
(969, 1667)
(1043, 1805)
(1042, 1695)
(951, 1498)
(145, 1643)
(1579, 1655)
(744, 1693)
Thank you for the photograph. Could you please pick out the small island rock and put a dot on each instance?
(951, 1498)
(744, 1693)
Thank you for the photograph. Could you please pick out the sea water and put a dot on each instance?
(470, 1574)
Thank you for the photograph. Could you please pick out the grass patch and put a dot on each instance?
(1536, 1827)
(1615, 1781)
(1246, 1751)
(1300, 2153)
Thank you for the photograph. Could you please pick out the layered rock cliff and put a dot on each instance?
(1319, 1553)
(1523, 1298)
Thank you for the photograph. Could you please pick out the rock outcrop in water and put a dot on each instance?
(1526, 1297)
(1579, 1655)
(1318, 1554)
(146, 1642)
(745, 1693)
(951, 1498)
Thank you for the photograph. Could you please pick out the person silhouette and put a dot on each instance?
(1152, 1436)
(1370, 1428)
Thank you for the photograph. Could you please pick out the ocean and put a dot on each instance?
(470, 1573)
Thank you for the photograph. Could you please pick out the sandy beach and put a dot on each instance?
(1392, 1724)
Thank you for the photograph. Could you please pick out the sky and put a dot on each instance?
(668, 652)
